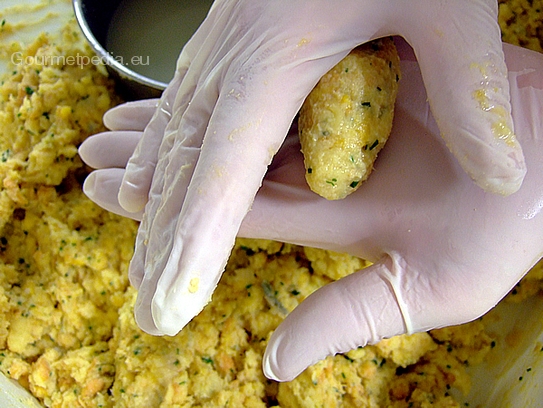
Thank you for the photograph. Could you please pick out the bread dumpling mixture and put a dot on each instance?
(67, 331)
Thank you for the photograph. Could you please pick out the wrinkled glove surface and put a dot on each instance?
(445, 251)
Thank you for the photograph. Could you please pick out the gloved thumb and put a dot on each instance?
(341, 316)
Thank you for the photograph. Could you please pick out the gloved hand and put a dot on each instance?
(239, 83)
(444, 251)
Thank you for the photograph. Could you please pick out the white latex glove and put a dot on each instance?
(239, 83)
(445, 251)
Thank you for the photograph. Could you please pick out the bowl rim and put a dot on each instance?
(108, 58)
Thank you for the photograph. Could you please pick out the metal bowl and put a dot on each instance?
(94, 18)
(98, 19)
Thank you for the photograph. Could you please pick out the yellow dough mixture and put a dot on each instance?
(67, 331)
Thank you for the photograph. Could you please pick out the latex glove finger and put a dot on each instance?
(437, 239)
(173, 170)
(340, 317)
(134, 115)
(109, 149)
(141, 166)
(145, 121)
(102, 187)
(465, 77)
(109, 152)
(136, 184)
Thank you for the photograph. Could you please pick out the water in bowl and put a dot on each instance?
(147, 36)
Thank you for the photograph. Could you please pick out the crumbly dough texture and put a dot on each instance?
(67, 331)
(521, 22)
(347, 118)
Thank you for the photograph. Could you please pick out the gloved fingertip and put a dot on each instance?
(176, 303)
(143, 315)
(502, 186)
(135, 270)
(101, 187)
(270, 366)
(89, 185)
(268, 369)
(150, 317)
(85, 151)
(130, 115)
(168, 326)
(495, 166)
(131, 197)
